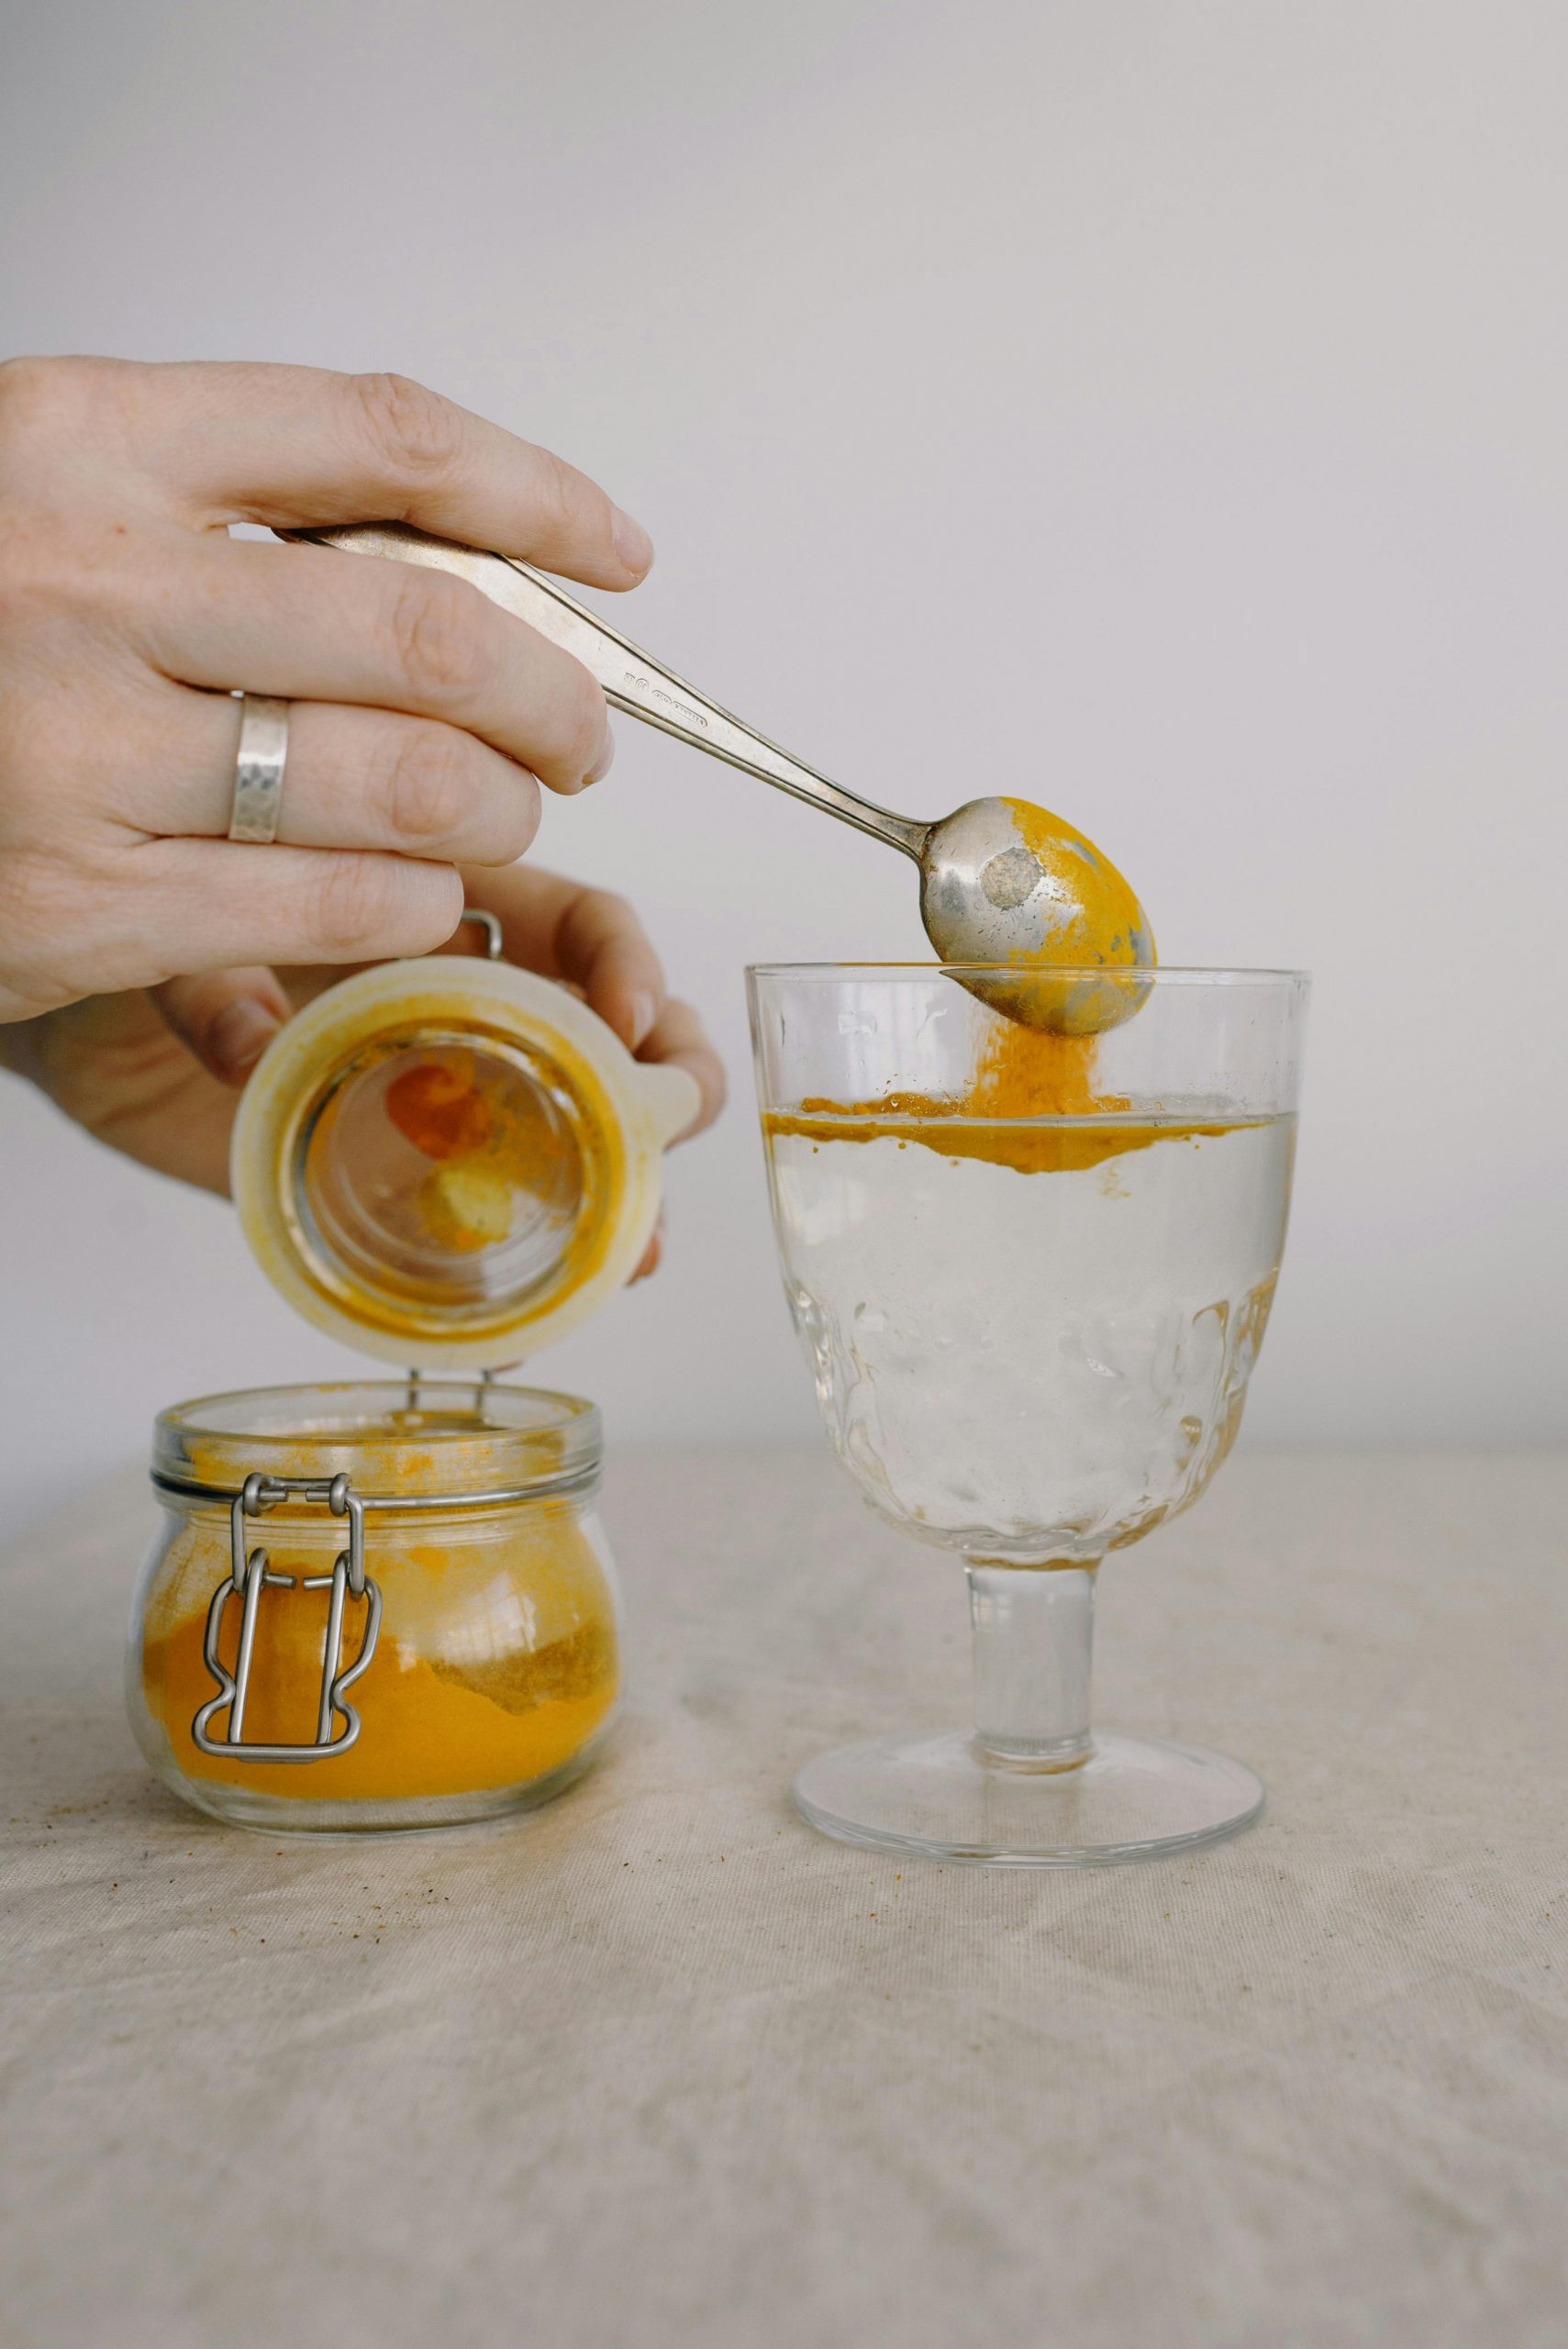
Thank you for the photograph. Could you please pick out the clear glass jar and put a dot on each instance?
(377, 1604)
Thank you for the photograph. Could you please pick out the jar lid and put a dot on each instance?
(452, 1161)
(405, 1443)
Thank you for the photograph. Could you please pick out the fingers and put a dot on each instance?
(227, 1017)
(590, 938)
(210, 906)
(593, 940)
(679, 1040)
(310, 624)
(602, 947)
(652, 1255)
(353, 779)
(285, 445)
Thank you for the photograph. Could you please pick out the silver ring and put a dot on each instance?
(258, 768)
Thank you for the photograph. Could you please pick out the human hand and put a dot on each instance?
(116, 1066)
(423, 720)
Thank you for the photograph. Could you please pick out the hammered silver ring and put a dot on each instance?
(258, 768)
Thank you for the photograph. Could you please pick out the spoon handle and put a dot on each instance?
(643, 687)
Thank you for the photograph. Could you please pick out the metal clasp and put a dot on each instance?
(248, 1576)
(494, 943)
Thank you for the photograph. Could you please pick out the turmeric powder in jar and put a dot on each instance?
(487, 1601)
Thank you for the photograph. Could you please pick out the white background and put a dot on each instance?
(1156, 407)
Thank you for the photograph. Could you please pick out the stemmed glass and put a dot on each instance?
(1031, 1337)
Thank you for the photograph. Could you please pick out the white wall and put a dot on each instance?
(1157, 406)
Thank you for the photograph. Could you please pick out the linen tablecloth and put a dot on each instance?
(657, 2065)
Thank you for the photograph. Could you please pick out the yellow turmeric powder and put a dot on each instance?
(1108, 924)
(1031, 1103)
(440, 1110)
(453, 1149)
(1031, 1100)
(491, 1144)
(498, 1657)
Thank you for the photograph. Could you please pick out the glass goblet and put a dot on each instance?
(1031, 1313)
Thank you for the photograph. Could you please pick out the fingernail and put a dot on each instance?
(633, 544)
(604, 760)
(240, 1034)
(653, 1255)
(644, 1011)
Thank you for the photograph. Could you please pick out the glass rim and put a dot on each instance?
(1135, 974)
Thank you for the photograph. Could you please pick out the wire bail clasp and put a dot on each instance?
(483, 919)
(248, 1576)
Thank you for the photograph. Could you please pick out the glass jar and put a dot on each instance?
(377, 1604)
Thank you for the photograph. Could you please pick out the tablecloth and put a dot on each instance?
(657, 2065)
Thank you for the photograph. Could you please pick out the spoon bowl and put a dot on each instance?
(1003, 882)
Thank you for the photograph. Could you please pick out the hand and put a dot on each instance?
(116, 1066)
(423, 714)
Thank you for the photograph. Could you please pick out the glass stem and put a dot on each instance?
(1034, 1631)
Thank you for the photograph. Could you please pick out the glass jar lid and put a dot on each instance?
(452, 1161)
(406, 1443)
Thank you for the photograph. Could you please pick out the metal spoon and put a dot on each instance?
(1002, 882)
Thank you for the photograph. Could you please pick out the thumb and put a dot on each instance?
(227, 1017)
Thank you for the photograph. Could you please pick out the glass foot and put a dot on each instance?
(1132, 1800)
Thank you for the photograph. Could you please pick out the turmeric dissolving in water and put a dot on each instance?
(1031, 1103)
